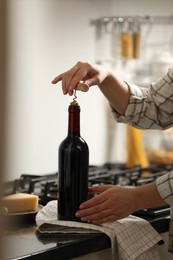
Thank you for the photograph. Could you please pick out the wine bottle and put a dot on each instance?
(73, 167)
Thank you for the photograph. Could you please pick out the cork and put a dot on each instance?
(74, 103)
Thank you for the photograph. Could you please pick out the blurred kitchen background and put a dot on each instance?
(43, 38)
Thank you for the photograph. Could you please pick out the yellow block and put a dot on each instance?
(136, 153)
(20, 202)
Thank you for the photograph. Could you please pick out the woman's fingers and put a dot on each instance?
(57, 79)
(95, 208)
(82, 71)
(98, 213)
(68, 85)
(94, 212)
(98, 199)
(111, 203)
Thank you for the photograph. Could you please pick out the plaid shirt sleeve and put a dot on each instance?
(152, 108)
(165, 188)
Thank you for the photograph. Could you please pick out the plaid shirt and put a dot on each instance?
(152, 108)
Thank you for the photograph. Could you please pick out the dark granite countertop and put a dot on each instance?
(25, 242)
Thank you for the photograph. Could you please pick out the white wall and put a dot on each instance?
(46, 37)
(141, 7)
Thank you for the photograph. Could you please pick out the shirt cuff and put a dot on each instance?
(165, 187)
(135, 93)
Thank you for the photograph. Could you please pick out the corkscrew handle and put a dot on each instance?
(82, 87)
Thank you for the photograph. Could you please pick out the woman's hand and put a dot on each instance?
(112, 203)
(91, 74)
(116, 202)
(114, 89)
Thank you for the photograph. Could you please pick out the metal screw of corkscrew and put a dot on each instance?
(84, 87)
(75, 96)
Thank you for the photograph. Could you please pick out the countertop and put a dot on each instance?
(23, 241)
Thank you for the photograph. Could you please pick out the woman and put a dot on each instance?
(145, 108)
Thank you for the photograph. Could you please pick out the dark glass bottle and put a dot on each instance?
(73, 168)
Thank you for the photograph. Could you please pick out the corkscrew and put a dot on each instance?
(75, 96)
(82, 87)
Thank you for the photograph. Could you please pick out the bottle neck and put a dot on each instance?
(74, 121)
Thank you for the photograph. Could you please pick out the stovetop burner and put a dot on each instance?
(46, 185)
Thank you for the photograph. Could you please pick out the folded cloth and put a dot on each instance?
(131, 238)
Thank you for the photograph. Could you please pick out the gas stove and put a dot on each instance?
(46, 185)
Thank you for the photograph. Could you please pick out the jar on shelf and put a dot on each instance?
(126, 36)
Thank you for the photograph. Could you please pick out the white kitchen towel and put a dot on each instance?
(132, 238)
